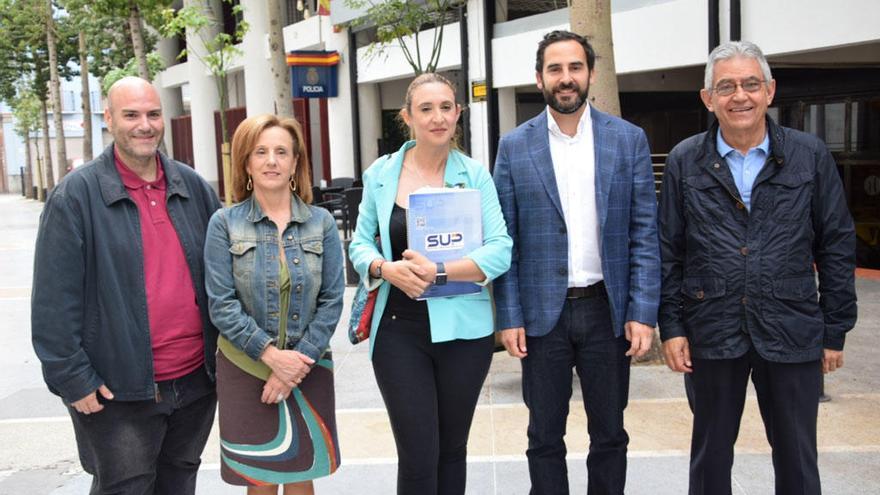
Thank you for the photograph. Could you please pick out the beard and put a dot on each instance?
(566, 108)
(137, 149)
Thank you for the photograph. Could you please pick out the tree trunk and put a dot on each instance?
(86, 99)
(39, 172)
(28, 168)
(592, 18)
(55, 93)
(225, 158)
(137, 40)
(278, 57)
(47, 148)
(4, 185)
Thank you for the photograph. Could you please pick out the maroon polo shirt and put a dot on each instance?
(175, 321)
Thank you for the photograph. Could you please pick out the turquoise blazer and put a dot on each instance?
(458, 317)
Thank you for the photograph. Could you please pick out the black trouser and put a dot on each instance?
(788, 397)
(148, 447)
(430, 391)
(583, 339)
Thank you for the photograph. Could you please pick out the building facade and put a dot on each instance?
(825, 58)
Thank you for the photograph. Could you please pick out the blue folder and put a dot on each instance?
(445, 224)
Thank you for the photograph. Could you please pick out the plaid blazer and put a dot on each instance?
(532, 293)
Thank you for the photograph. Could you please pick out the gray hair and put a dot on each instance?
(733, 49)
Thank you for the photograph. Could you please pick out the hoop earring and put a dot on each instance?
(292, 185)
(250, 184)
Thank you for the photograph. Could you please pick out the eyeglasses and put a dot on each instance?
(728, 88)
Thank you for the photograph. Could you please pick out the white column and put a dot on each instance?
(172, 103)
(506, 110)
(97, 116)
(339, 120)
(317, 156)
(506, 96)
(477, 72)
(204, 101)
(370, 122)
(255, 45)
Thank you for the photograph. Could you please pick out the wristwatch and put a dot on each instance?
(379, 269)
(440, 279)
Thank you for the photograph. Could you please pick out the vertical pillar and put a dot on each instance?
(257, 83)
(204, 101)
(370, 122)
(172, 102)
(339, 120)
(477, 67)
(506, 96)
(317, 157)
(97, 116)
(506, 110)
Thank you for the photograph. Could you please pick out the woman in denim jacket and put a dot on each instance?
(430, 357)
(274, 281)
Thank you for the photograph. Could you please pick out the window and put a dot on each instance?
(849, 126)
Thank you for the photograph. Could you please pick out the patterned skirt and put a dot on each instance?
(271, 444)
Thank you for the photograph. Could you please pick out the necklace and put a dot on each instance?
(413, 167)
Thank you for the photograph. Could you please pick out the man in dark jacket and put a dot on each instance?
(119, 312)
(749, 211)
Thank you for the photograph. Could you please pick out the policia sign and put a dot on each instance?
(313, 73)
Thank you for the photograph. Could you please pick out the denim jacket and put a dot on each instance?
(241, 267)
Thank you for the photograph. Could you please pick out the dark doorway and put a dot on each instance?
(181, 135)
(394, 132)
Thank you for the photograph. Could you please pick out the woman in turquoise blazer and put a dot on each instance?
(430, 357)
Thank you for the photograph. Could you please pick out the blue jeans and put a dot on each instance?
(148, 447)
(582, 339)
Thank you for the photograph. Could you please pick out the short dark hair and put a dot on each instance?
(561, 35)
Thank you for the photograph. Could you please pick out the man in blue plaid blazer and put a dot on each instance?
(577, 191)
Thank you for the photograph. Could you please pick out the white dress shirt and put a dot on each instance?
(574, 164)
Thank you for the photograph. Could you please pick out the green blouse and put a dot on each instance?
(238, 357)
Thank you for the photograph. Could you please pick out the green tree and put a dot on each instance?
(26, 118)
(131, 68)
(54, 30)
(22, 41)
(85, 96)
(25, 59)
(115, 33)
(398, 20)
(10, 73)
(112, 44)
(218, 53)
(135, 13)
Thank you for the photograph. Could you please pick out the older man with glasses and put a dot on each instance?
(749, 211)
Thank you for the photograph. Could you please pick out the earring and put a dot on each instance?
(250, 184)
(292, 185)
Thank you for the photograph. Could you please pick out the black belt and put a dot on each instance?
(594, 290)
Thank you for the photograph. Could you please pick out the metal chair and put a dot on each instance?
(343, 182)
(332, 202)
(353, 196)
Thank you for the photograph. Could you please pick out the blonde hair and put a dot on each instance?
(245, 140)
(421, 80)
